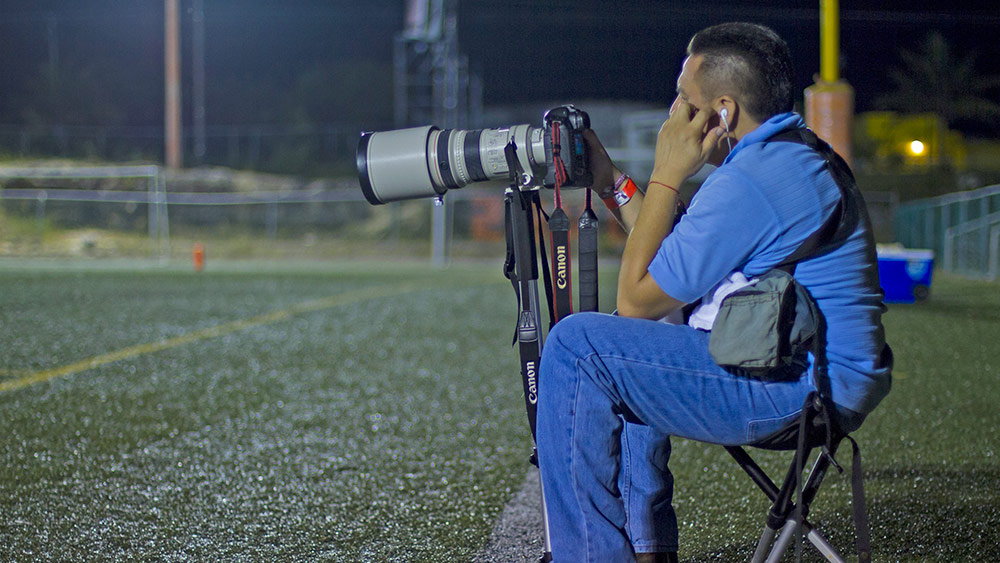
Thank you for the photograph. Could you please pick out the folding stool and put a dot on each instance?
(816, 428)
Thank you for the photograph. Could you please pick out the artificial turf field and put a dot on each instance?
(362, 412)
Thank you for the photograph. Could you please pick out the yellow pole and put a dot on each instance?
(830, 102)
(829, 48)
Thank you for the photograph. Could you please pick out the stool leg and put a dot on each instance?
(824, 547)
(784, 540)
(764, 545)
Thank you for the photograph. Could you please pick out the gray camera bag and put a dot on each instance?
(765, 326)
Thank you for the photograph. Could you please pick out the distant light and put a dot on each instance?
(917, 147)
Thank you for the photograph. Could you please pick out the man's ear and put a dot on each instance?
(728, 109)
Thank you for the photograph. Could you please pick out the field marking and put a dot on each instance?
(215, 331)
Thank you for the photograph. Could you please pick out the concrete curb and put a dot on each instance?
(517, 536)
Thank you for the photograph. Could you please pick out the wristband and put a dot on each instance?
(624, 194)
(610, 199)
(614, 200)
(620, 181)
(666, 186)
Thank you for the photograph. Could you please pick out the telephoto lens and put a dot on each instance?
(427, 161)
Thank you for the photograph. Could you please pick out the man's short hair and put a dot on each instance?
(747, 61)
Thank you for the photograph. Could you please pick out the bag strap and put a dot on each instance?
(838, 226)
(843, 221)
(863, 542)
(833, 232)
(816, 407)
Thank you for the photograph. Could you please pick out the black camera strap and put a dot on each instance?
(559, 230)
(543, 218)
(561, 264)
(521, 269)
(523, 219)
(587, 245)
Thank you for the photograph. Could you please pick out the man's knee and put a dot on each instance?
(568, 342)
(577, 330)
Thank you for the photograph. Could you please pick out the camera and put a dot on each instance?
(427, 161)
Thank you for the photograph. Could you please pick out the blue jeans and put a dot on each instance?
(612, 390)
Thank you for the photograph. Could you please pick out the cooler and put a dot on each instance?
(905, 273)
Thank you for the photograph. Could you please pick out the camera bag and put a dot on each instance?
(764, 327)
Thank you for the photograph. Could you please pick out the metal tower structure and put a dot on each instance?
(432, 79)
(433, 85)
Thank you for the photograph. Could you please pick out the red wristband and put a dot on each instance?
(673, 189)
(624, 194)
(621, 180)
(629, 188)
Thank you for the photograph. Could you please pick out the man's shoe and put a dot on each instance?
(657, 557)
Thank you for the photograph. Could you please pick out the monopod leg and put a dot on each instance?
(518, 205)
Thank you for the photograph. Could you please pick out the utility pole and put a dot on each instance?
(830, 101)
(198, 78)
(52, 29)
(172, 79)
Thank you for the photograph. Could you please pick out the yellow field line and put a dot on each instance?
(212, 332)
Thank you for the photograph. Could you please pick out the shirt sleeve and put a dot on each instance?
(728, 219)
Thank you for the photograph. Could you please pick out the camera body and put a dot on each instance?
(427, 161)
(567, 124)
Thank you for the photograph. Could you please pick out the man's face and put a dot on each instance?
(689, 91)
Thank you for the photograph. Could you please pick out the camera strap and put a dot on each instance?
(587, 244)
(543, 218)
(559, 230)
(523, 219)
(520, 267)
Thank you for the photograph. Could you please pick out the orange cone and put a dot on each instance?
(198, 257)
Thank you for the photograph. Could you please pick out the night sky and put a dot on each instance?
(525, 50)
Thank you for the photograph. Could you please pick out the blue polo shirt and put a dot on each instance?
(753, 212)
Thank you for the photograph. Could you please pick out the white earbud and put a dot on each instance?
(723, 113)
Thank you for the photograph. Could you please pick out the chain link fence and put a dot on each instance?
(963, 230)
(148, 212)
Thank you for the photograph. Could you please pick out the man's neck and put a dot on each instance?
(744, 128)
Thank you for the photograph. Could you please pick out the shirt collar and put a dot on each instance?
(766, 130)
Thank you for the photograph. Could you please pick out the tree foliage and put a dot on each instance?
(69, 94)
(353, 92)
(935, 79)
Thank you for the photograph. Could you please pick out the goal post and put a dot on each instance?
(151, 176)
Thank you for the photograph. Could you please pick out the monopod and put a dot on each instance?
(523, 218)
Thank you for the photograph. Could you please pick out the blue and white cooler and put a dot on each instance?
(905, 273)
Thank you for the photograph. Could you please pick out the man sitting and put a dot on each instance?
(613, 389)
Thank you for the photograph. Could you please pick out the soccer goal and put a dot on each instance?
(136, 185)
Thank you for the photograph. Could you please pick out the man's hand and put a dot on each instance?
(601, 167)
(684, 144)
